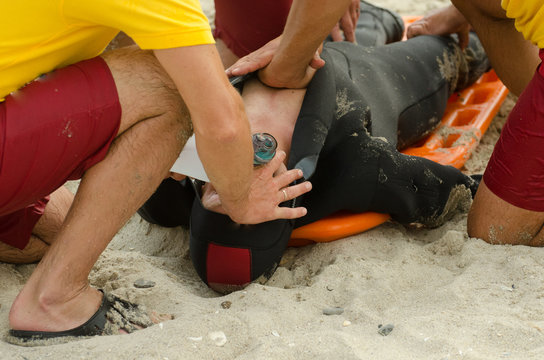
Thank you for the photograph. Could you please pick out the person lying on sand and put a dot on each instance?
(344, 132)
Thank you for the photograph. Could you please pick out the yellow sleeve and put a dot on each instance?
(528, 18)
(152, 24)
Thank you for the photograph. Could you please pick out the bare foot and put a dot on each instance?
(33, 310)
(443, 21)
(113, 316)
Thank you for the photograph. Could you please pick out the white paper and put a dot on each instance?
(188, 163)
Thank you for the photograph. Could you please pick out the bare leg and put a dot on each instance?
(44, 231)
(498, 222)
(154, 127)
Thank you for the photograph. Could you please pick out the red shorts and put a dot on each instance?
(515, 172)
(246, 25)
(52, 130)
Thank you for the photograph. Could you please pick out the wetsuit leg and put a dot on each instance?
(378, 26)
(406, 84)
(371, 175)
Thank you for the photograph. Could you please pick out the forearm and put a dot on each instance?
(221, 128)
(226, 151)
(308, 24)
(500, 39)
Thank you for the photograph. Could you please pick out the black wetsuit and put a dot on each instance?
(358, 110)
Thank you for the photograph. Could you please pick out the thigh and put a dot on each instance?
(144, 88)
(54, 129)
(515, 171)
(509, 205)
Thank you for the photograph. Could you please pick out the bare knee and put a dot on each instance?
(55, 212)
(499, 222)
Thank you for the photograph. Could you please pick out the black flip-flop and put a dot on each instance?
(113, 310)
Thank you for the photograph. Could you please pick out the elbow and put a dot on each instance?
(224, 131)
(226, 126)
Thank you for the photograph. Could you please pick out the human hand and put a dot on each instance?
(443, 21)
(210, 199)
(269, 188)
(347, 24)
(262, 58)
(291, 76)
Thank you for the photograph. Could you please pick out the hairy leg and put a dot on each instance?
(154, 127)
(44, 232)
(499, 222)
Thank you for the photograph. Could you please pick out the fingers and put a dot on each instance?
(211, 200)
(442, 21)
(349, 31)
(244, 66)
(289, 177)
(249, 63)
(317, 62)
(355, 11)
(294, 191)
(258, 59)
(348, 27)
(275, 165)
(336, 34)
(419, 27)
(463, 38)
(290, 213)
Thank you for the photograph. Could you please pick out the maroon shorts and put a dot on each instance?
(246, 25)
(52, 130)
(515, 172)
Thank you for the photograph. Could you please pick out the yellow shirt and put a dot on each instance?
(39, 36)
(528, 16)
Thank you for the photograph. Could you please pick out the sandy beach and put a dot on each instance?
(447, 296)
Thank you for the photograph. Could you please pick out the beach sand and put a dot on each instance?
(447, 296)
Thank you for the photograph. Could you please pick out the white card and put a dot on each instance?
(188, 163)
